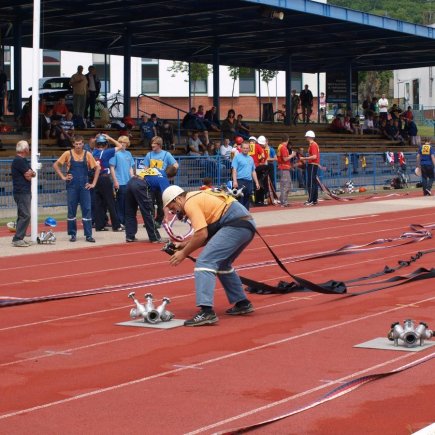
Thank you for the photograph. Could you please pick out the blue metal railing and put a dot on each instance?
(335, 173)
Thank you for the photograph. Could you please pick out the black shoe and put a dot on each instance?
(202, 318)
(242, 307)
(102, 229)
(73, 239)
(158, 225)
(131, 239)
(116, 230)
(90, 239)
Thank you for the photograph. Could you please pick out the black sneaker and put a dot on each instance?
(90, 239)
(202, 318)
(73, 239)
(102, 229)
(240, 308)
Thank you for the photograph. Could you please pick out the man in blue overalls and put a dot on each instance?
(77, 163)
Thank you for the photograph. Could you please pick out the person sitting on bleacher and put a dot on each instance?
(368, 126)
(60, 108)
(229, 125)
(207, 123)
(337, 125)
(166, 132)
(196, 147)
(212, 118)
(392, 131)
(192, 122)
(242, 129)
(45, 123)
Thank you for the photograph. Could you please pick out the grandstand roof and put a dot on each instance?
(320, 37)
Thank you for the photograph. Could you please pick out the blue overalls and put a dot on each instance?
(77, 193)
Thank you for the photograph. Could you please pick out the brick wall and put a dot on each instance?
(248, 106)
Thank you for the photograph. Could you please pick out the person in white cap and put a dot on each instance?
(313, 162)
(225, 227)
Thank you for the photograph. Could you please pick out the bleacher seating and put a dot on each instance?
(328, 141)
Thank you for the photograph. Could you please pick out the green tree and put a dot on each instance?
(234, 72)
(267, 76)
(196, 72)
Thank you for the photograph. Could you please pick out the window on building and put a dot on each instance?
(99, 60)
(247, 82)
(50, 63)
(7, 64)
(150, 76)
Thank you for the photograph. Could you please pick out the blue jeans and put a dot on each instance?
(247, 192)
(217, 258)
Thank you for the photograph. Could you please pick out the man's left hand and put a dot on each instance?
(177, 258)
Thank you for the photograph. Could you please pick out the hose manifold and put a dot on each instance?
(409, 334)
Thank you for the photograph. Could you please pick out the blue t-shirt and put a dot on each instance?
(147, 130)
(103, 157)
(244, 165)
(426, 152)
(157, 182)
(160, 160)
(122, 162)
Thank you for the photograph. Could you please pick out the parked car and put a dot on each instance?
(53, 88)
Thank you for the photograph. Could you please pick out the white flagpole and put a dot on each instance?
(35, 105)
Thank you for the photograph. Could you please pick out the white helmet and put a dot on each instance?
(170, 193)
(261, 140)
(310, 133)
(252, 138)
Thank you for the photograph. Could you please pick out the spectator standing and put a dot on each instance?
(243, 173)
(271, 159)
(104, 200)
(295, 100)
(426, 163)
(93, 89)
(322, 106)
(121, 169)
(225, 228)
(78, 163)
(147, 130)
(22, 175)
(313, 162)
(160, 159)
(284, 156)
(307, 98)
(383, 107)
(79, 85)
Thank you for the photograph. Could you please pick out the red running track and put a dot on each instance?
(67, 368)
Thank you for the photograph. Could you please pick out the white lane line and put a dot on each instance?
(358, 217)
(215, 360)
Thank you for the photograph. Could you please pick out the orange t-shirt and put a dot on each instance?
(313, 150)
(65, 159)
(205, 207)
(280, 154)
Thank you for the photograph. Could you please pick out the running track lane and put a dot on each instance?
(101, 366)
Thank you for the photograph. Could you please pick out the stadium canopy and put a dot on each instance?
(318, 37)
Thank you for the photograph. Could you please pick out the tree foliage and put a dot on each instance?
(197, 71)
(414, 11)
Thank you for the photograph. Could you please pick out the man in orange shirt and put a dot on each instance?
(313, 162)
(284, 156)
(225, 227)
